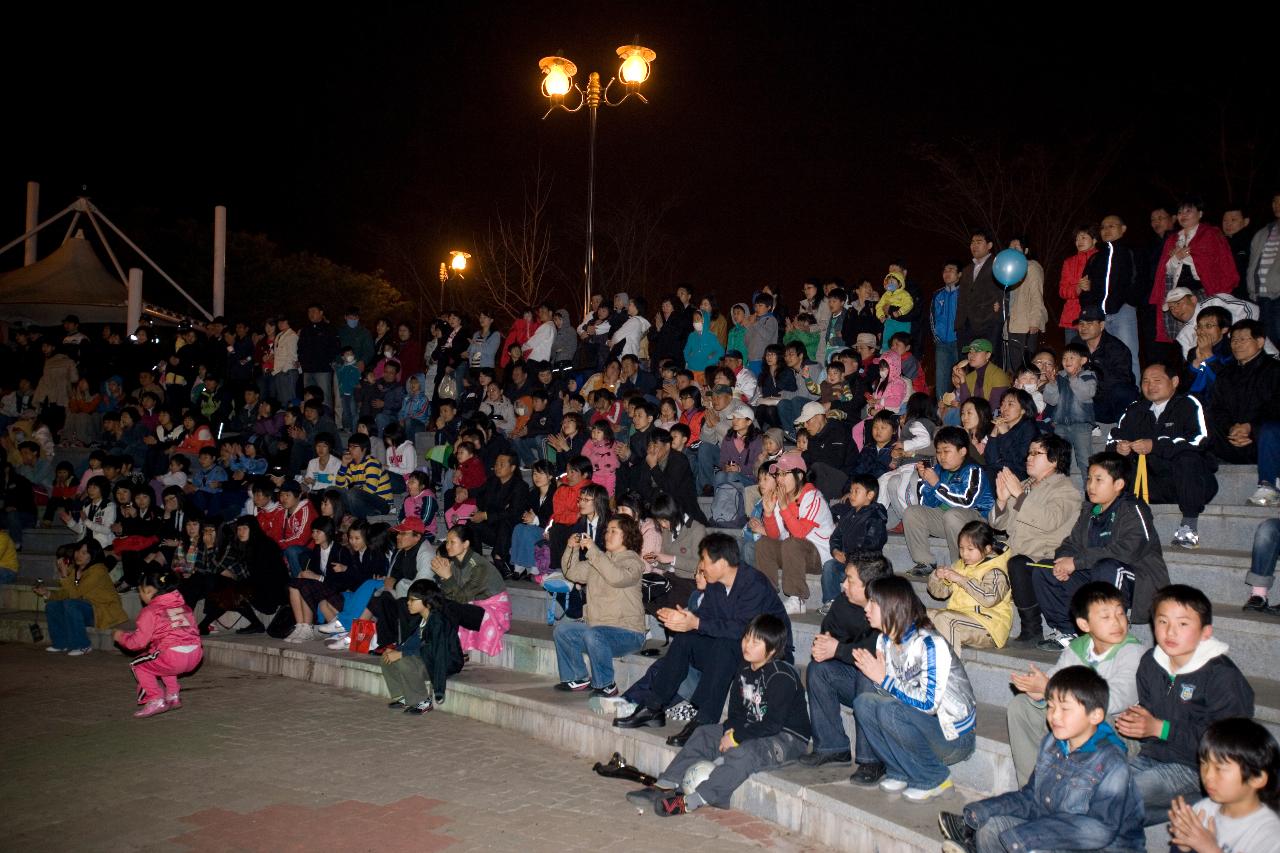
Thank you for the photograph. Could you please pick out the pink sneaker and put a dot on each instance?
(155, 706)
(173, 702)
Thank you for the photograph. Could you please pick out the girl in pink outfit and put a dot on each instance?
(890, 391)
(604, 459)
(167, 631)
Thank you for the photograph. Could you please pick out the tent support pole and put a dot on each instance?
(72, 228)
(145, 257)
(135, 300)
(33, 218)
(124, 279)
(219, 260)
(7, 246)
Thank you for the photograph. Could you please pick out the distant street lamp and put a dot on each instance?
(557, 83)
(457, 263)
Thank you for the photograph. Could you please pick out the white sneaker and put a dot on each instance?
(75, 653)
(1266, 495)
(611, 706)
(334, 627)
(793, 604)
(920, 795)
(892, 785)
(299, 634)
(1185, 537)
(339, 645)
(54, 649)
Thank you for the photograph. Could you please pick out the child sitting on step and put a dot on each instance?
(1082, 795)
(767, 726)
(417, 671)
(1239, 763)
(979, 610)
(166, 629)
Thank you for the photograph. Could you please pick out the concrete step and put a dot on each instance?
(45, 540)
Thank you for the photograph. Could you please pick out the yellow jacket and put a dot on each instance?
(8, 553)
(985, 594)
(898, 298)
(95, 587)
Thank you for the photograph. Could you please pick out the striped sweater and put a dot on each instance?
(367, 475)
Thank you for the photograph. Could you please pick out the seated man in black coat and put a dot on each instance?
(500, 503)
(664, 471)
(1244, 410)
(708, 638)
(832, 678)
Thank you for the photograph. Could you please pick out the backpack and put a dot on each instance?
(726, 507)
(568, 596)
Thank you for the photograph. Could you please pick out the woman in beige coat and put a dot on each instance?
(1037, 513)
(614, 622)
(1028, 316)
(54, 389)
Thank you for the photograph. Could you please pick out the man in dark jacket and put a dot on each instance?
(708, 638)
(1114, 286)
(1244, 411)
(978, 311)
(500, 503)
(1171, 431)
(317, 350)
(356, 336)
(632, 454)
(1113, 540)
(831, 452)
(832, 678)
(1111, 361)
(664, 471)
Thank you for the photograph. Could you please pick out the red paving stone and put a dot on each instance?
(257, 763)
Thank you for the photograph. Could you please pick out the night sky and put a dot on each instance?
(782, 130)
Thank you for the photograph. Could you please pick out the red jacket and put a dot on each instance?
(296, 527)
(271, 520)
(1072, 272)
(471, 474)
(564, 503)
(521, 331)
(1214, 264)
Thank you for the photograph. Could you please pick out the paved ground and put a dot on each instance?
(262, 763)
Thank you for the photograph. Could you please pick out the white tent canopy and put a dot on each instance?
(71, 280)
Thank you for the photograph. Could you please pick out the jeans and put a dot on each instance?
(1124, 325)
(1054, 596)
(14, 522)
(832, 578)
(788, 410)
(1080, 437)
(384, 419)
(68, 618)
(295, 556)
(355, 602)
(945, 356)
(705, 469)
(1271, 317)
(350, 413)
(1269, 453)
(832, 684)
(285, 386)
(1159, 782)
(323, 381)
(523, 540)
(362, 504)
(529, 449)
(909, 742)
(7, 576)
(602, 643)
(732, 767)
(1266, 548)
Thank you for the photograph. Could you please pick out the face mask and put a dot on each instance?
(891, 286)
(349, 359)
(390, 353)
(697, 327)
(352, 322)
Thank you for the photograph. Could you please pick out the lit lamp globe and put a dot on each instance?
(635, 64)
(458, 261)
(557, 76)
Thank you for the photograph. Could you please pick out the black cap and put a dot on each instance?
(291, 486)
(71, 318)
(1091, 313)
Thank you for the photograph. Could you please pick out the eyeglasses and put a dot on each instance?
(1031, 453)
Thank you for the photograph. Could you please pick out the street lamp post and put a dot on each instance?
(557, 83)
(457, 264)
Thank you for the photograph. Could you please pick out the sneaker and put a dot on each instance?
(920, 570)
(339, 645)
(684, 711)
(425, 705)
(155, 706)
(1256, 604)
(868, 775)
(611, 706)
(294, 635)
(75, 653)
(173, 702)
(58, 651)
(1055, 641)
(954, 828)
(1266, 495)
(610, 689)
(893, 785)
(920, 795)
(1095, 432)
(817, 759)
(897, 528)
(1185, 537)
(397, 704)
(647, 798)
(672, 804)
(572, 686)
(824, 609)
(334, 627)
(793, 604)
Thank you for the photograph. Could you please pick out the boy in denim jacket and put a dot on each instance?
(1081, 796)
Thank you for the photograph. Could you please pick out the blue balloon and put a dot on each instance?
(1010, 267)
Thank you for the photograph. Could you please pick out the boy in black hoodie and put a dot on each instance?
(1114, 540)
(832, 678)
(861, 525)
(1185, 683)
(767, 726)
